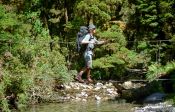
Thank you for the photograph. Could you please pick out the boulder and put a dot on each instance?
(154, 98)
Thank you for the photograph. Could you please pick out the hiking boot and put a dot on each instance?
(79, 79)
(90, 80)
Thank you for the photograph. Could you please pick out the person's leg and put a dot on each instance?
(89, 75)
(89, 66)
(79, 76)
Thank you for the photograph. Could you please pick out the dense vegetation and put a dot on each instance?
(37, 43)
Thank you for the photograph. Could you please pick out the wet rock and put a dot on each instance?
(67, 87)
(109, 84)
(128, 85)
(97, 88)
(155, 98)
(100, 85)
(84, 94)
(84, 100)
(159, 107)
(104, 87)
(75, 91)
(110, 90)
(97, 98)
(78, 95)
(138, 92)
(77, 99)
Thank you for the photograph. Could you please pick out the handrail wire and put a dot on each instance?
(10, 41)
(67, 44)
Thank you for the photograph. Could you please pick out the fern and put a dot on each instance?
(155, 71)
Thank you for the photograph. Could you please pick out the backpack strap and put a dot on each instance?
(91, 37)
(78, 46)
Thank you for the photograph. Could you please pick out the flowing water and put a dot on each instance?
(108, 106)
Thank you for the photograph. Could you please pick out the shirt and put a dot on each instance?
(90, 46)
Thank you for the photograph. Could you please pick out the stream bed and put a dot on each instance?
(89, 106)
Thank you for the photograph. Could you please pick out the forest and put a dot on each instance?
(38, 43)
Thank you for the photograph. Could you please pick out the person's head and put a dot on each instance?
(92, 28)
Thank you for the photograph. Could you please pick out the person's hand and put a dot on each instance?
(101, 42)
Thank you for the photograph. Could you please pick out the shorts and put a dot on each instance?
(88, 60)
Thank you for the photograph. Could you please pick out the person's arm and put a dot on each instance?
(98, 42)
(86, 40)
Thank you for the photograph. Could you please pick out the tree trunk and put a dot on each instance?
(65, 11)
(89, 19)
(45, 19)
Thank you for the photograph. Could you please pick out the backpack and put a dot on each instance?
(80, 36)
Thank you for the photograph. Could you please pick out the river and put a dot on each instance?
(88, 106)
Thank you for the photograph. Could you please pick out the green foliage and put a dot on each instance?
(110, 51)
(114, 55)
(5, 105)
(95, 10)
(33, 61)
(115, 34)
(29, 58)
(8, 23)
(7, 19)
(142, 45)
(11, 86)
(148, 15)
(57, 15)
(155, 71)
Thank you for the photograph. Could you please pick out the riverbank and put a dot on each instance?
(127, 92)
(75, 91)
(99, 91)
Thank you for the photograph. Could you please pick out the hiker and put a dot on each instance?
(90, 40)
